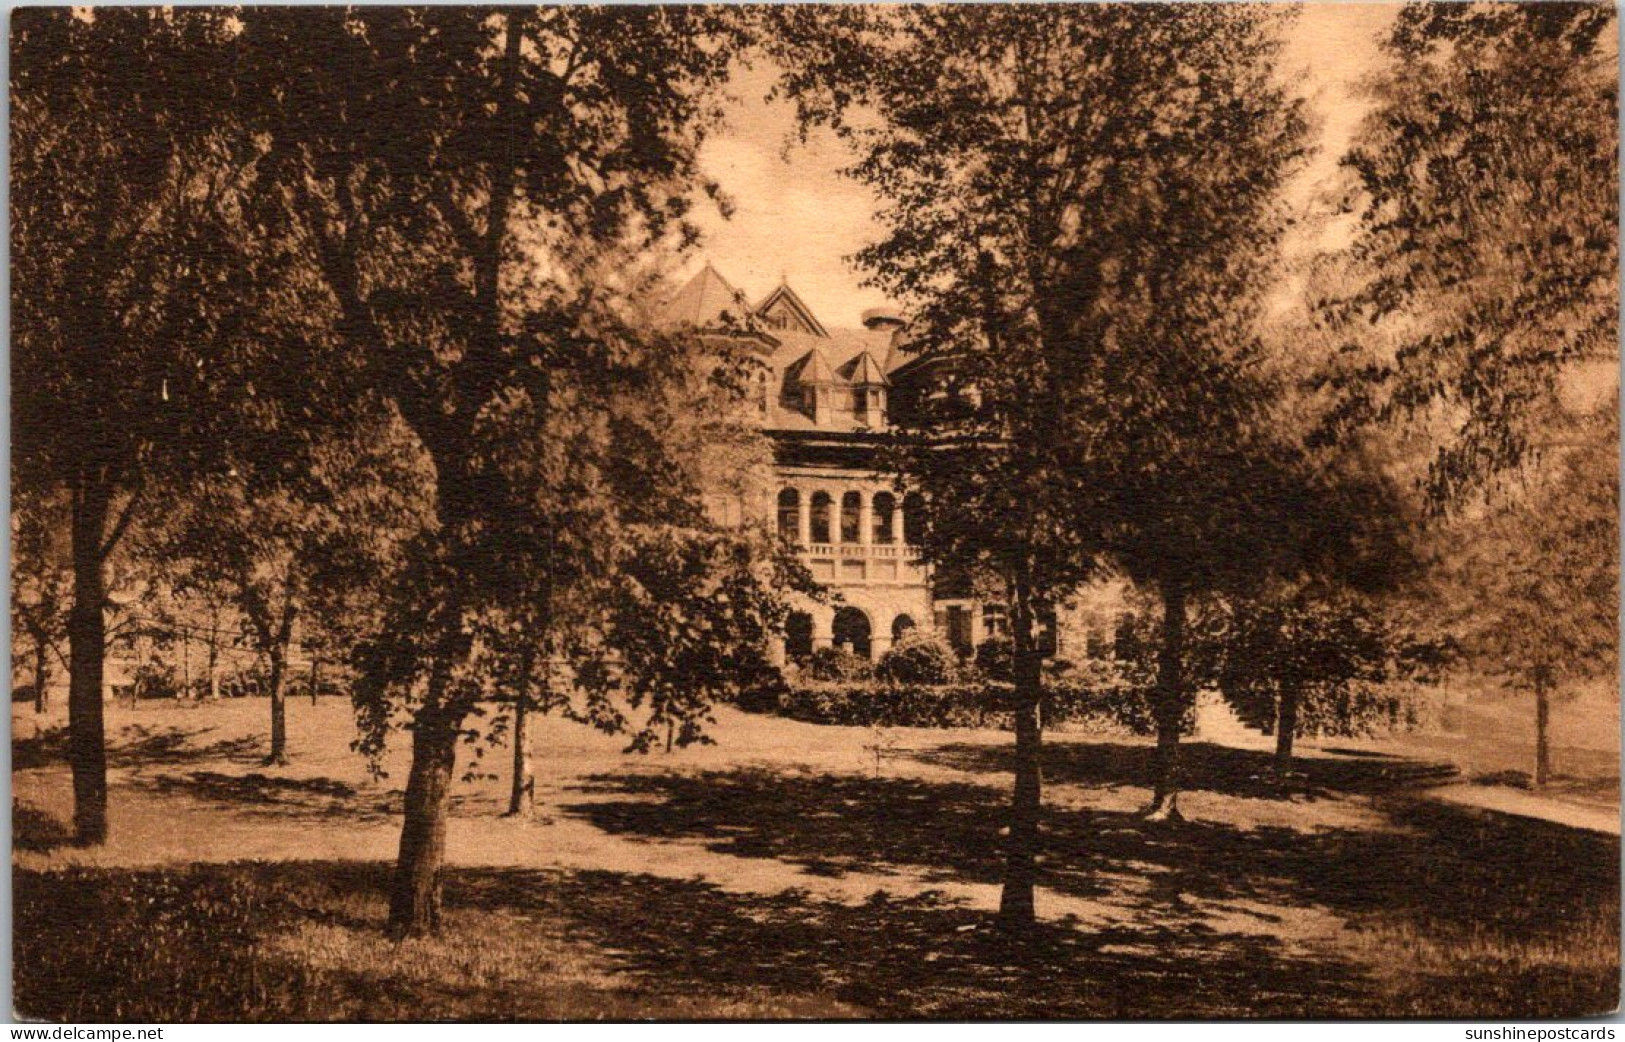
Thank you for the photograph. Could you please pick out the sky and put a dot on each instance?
(796, 218)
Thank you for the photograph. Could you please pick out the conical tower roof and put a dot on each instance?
(703, 299)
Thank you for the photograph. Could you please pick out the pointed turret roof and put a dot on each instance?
(812, 368)
(864, 371)
(703, 300)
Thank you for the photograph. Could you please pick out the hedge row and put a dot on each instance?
(1109, 709)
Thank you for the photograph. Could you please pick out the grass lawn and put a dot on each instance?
(785, 872)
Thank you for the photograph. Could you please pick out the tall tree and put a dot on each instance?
(1477, 314)
(1079, 205)
(119, 287)
(1531, 588)
(1315, 658)
(1485, 264)
(451, 175)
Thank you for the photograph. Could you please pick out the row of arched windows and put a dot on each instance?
(824, 522)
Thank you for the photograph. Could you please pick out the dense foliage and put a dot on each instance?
(1486, 261)
(919, 658)
(1104, 707)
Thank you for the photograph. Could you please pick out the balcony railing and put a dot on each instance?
(859, 563)
(860, 550)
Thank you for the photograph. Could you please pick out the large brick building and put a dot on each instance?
(823, 398)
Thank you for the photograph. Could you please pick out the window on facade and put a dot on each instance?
(885, 506)
(851, 511)
(821, 505)
(994, 621)
(913, 519)
(790, 514)
(761, 392)
(860, 401)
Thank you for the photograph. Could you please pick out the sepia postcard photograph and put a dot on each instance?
(970, 512)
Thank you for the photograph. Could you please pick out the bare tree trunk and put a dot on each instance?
(522, 797)
(278, 756)
(42, 672)
(1543, 748)
(1169, 704)
(414, 900)
(315, 677)
(214, 663)
(87, 644)
(1286, 727)
(1016, 908)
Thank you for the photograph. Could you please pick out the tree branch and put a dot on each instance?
(123, 522)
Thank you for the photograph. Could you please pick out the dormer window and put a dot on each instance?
(868, 390)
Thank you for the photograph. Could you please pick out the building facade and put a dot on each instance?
(823, 399)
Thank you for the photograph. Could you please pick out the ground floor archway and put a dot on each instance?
(852, 631)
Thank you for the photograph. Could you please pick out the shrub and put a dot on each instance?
(995, 657)
(869, 704)
(1103, 705)
(919, 658)
(838, 664)
(1109, 709)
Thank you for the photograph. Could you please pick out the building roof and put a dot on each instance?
(810, 368)
(864, 371)
(801, 350)
(707, 300)
(841, 348)
(786, 300)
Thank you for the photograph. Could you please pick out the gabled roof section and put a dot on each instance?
(783, 303)
(704, 300)
(864, 371)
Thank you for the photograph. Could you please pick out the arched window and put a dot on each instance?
(790, 514)
(914, 519)
(885, 506)
(851, 511)
(900, 626)
(821, 506)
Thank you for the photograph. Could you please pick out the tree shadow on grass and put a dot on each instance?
(137, 746)
(322, 799)
(34, 829)
(1203, 767)
(197, 944)
(1432, 875)
(305, 940)
(917, 956)
(951, 832)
